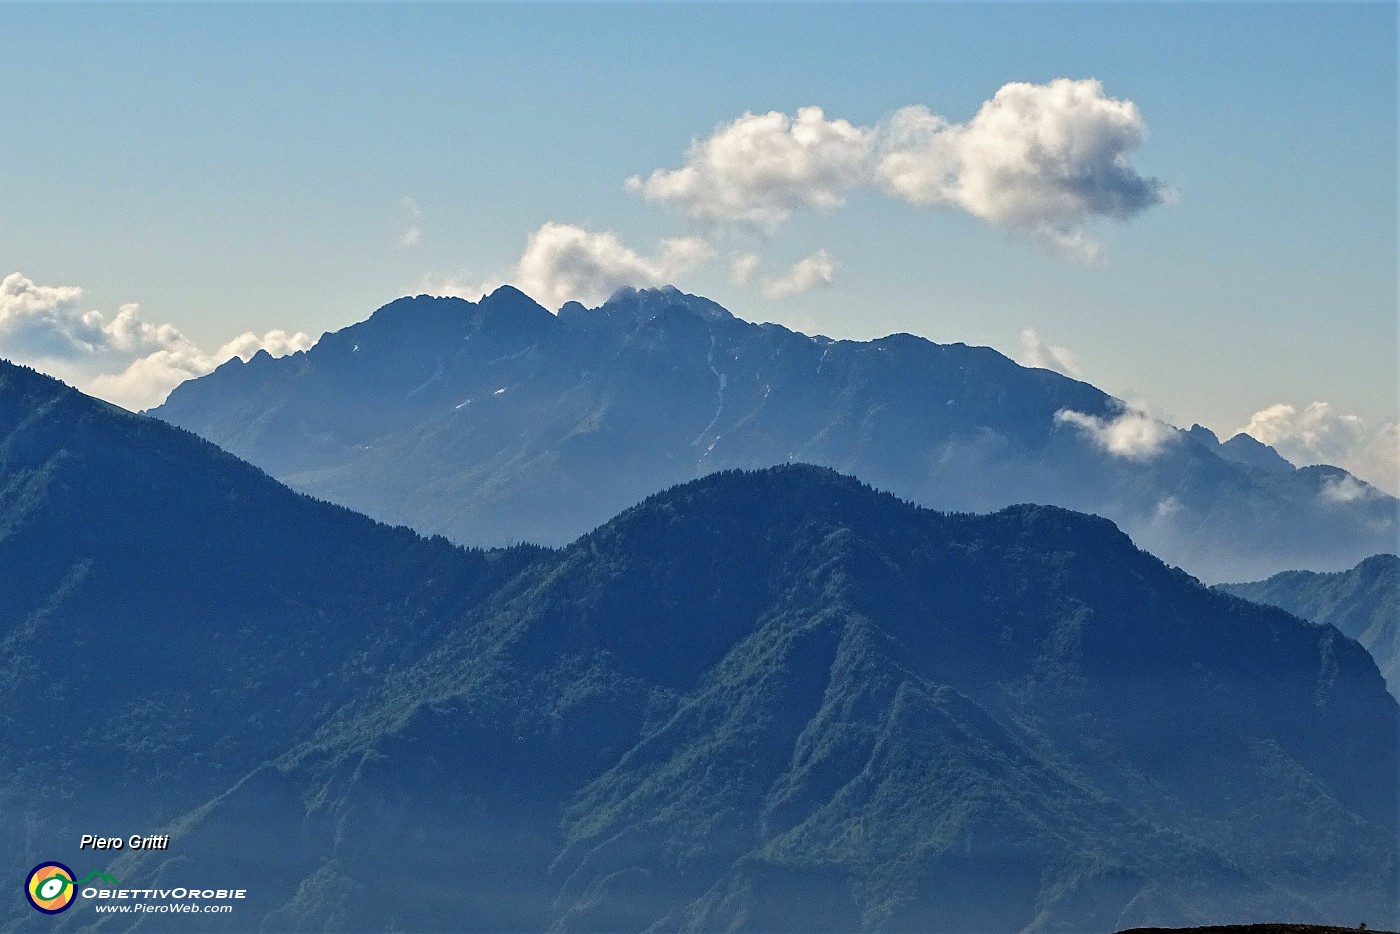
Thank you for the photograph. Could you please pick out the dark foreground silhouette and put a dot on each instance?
(1256, 929)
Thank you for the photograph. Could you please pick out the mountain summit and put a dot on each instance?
(496, 421)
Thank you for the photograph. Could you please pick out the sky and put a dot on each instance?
(1191, 206)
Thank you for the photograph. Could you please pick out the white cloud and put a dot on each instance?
(1317, 426)
(1345, 489)
(411, 232)
(743, 267)
(1040, 159)
(41, 320)
(1037, 353)
(761, 168)
(806, 274)
(123, 359)
(1132, 434)
(563, 262)
(1319, 434)
(1035, 159)
(1377, 458)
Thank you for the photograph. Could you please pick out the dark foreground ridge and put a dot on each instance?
(496, 421)
(1256, 929)
(759, 701)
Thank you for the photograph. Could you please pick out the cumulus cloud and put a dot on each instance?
(563, 262)
(808, 273)
(1319, 434)
(1317, 426)
(761, 168)
(1132, 434)
(123, 358)
(1037, 353)
(1036, 159)
(1040, 159)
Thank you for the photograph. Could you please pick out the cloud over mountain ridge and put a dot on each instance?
(123, 358)
(1035, 159)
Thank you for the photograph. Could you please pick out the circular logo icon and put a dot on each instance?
(49, 888)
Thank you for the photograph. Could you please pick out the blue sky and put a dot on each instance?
(239, 170)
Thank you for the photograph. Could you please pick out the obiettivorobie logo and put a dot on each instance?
(51, 887)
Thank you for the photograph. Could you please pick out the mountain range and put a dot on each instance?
(1363, 602)
(498, 421)
(767, 700)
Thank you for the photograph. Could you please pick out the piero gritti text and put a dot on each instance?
(134, 842)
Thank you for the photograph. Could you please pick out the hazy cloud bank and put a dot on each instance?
(1319, 434)
(123, 358)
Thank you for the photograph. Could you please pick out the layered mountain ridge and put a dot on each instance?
(496, 421)
(757, 701)
(1362, 602)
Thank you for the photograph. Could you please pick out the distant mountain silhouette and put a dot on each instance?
(1243, 450)
(1364, 603)
(497, 422)
(757, 701)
